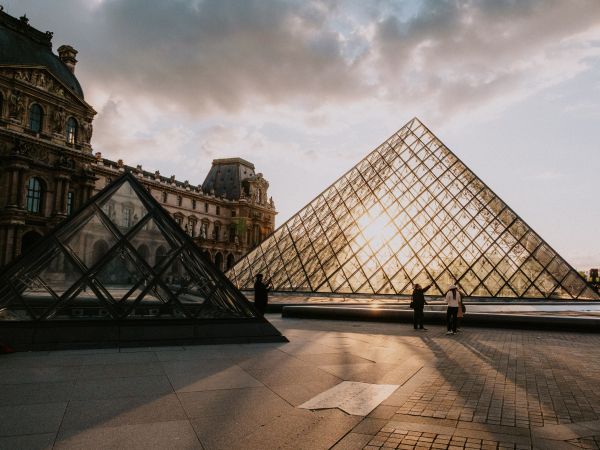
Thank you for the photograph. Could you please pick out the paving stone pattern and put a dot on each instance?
(479, 389)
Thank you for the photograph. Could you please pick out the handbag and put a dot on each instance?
(463, 307)
(412, 305)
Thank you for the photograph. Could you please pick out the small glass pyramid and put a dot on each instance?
(120, 257)
(409, 211)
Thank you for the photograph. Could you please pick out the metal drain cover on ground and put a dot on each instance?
(353, 397)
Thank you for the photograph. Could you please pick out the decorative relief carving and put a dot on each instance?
(28, 150)
(86, 130)
(38, 78)
(58, 120)
(16, 105)
(65, 162)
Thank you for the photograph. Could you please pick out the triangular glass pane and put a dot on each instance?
(506, 292)
(151, 244)
(124, 207)
(533, 292)
(587, 294)
(12, 307)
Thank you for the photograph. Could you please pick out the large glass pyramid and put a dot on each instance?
(121, 257)
(409, 210)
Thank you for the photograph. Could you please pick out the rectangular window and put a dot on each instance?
(109, 210)
(233, 213)
(165, 197)
(126, 217)
(70, 202)
(192, 226)
(179, 200)
(218, 210)
(194, 204)
(206, 207)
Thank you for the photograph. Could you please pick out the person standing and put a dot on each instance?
(418, 304)
(453, 299)
(261, 294)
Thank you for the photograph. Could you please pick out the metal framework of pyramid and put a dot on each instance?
(120, 258)
(409, 211)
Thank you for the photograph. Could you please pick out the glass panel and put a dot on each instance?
(121, 276)
(11, 306)
(124, 208)
(558, 268)
(546, 283)
(544, 255)
(519, 283)
(468, 282)
(588, 294)
(506, 292)
(91, 242)
(158, 304)
(150, 243)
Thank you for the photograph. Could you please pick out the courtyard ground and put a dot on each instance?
(482, 388)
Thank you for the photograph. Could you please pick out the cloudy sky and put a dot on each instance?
(304, 89)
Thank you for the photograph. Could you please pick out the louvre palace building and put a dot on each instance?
(48, 168)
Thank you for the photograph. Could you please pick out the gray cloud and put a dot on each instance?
(222, 53)
(201, 56)
(464, 53)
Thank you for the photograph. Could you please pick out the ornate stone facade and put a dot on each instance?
(48, 169)
(224, 226)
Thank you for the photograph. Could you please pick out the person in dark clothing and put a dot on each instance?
(261, 294)
(418, 304)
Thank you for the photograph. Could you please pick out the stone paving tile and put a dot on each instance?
(159, 435)
(256, 402)
(484, 388)
(82, 415)
(31, 419)
(28, 442)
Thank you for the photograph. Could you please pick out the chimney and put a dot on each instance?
(67, 54)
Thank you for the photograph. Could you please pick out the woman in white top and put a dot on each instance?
(453, 299)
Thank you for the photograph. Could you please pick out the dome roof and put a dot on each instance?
(226, 176)
(23, 45)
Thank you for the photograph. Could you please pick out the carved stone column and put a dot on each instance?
(57, 195)
(21, 188)
(65, 195)
(16, 186)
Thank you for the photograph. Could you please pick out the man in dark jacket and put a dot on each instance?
(261, 294)
(418, 303)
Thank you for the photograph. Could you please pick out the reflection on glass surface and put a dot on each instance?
(120, 257)
(407, 212)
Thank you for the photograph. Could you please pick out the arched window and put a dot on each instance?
(34, 195)
(71, 130)
(36, 117)
(219, 261)
(230, 261)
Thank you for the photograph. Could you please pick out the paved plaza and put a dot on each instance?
(479, 389)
